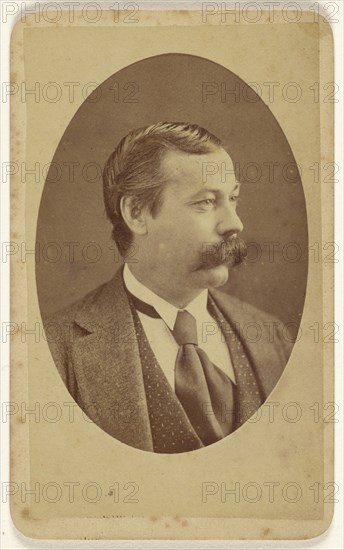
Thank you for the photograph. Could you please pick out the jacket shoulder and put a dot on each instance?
(68, 313)
(240, 309)
(244, 315)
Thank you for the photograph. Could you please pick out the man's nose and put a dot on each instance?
(229, 221)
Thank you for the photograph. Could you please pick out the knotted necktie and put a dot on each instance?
(203, 389)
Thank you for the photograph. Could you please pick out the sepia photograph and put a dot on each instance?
(172, 254)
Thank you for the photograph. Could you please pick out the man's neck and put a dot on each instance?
(179, 296)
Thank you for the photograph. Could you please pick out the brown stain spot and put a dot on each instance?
(167, 525)
(25, 513)
(183, 522)
(266, 532)
(153, 518)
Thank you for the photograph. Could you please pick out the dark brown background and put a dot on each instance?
(169, 87)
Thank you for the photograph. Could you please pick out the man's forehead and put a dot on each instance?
(208, 168)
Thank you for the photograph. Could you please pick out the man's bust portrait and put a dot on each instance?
(154, 357)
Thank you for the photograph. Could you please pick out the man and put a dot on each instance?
(155, 357)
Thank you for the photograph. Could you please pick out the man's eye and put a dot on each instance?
(234, 198)
(207, 202)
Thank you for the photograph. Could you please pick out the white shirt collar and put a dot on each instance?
(168, 312)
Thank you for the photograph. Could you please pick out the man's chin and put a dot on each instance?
(217, 275)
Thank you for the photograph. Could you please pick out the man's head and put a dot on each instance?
(170, 190)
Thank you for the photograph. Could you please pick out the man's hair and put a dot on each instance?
(134, 169)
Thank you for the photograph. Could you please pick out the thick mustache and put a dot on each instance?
(231, 251)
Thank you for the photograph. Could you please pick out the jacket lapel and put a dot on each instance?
(108, 367)
(267, 358)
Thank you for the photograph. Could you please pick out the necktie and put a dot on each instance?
(203, 389)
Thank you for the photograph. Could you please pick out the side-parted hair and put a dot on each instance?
(134, 169)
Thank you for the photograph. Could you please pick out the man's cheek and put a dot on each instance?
(192, 251)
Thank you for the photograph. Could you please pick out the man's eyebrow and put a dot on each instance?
(216, 191)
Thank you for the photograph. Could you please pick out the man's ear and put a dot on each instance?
(134, 216)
